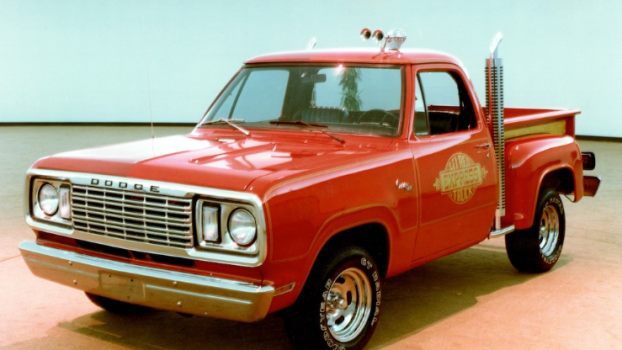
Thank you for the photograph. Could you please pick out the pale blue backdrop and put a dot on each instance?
(86, 61)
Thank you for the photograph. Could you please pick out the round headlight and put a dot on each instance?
(242, 227)
(48, 199)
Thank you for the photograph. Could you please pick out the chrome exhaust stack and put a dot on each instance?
(494, 101)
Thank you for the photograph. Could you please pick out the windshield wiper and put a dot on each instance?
(297, 122)
(230, 122)
(313, 125)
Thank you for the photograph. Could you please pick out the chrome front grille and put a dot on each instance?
(132, 215)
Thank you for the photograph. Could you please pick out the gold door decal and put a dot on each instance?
(460, 178)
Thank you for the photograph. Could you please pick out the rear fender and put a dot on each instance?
(530, 163)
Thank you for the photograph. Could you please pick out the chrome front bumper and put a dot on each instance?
(157, 288)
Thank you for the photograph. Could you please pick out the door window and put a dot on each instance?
(444, 102)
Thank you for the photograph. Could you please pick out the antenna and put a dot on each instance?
(148, 86)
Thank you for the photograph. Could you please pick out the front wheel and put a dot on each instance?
(538, 248)
(340, 305)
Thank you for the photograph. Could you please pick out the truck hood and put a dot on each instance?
(231, 165)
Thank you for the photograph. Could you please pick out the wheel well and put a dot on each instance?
(371, 237)
(561, 180)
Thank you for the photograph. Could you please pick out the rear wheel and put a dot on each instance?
(339, 306)
(116, 306)
(538, 248)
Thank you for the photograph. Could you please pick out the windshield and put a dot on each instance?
(341, 99)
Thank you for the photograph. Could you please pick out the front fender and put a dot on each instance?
(528, 162)
(387, 228)
(304, 213)
(299, 210)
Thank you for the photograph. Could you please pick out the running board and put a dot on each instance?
(502, 232)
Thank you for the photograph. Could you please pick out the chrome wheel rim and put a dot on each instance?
(549, 230)
(348, 304)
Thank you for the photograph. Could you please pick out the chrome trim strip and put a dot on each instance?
(153, 230)
(118, 214)
(129, 204)
(161, 240)
(157, 288)
(227, 254)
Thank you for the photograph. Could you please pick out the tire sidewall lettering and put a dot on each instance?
(557, 203)
(369, 269)
(552, 259)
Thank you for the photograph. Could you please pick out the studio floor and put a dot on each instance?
(471, 300)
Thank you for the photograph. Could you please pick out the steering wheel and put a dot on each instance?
(374, 114)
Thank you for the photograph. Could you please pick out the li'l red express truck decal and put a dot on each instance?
(460, 178)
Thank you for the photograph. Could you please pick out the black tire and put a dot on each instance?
(116, 306)
(538, 248)
(340, 304)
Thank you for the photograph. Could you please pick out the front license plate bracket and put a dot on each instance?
(122, 287)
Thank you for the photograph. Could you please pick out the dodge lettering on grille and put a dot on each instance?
(125, 185)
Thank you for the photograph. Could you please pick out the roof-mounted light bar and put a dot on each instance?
(393, 40)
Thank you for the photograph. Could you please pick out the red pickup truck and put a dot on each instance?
(311, 178)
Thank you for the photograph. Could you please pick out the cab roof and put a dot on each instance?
(364, 56)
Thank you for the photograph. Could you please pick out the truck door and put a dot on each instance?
(454, 154)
